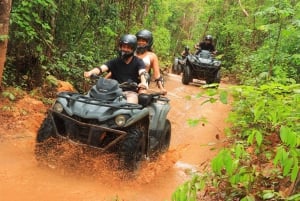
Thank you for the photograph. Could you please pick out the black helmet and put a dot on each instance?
(130, 40)
(146, 35)
(209, 37)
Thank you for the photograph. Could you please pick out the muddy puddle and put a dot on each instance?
(88, 177)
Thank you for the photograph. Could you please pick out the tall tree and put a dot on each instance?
(5, 7)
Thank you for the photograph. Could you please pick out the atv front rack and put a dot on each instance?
(84, 133)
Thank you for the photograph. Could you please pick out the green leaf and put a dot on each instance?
(12, 97)
(51, 80)
(278, 155)
(259, 138)
(217, 163)
(284, 133)
(193, 122)
(248, 198)
(295, 171)
(288, 136)
(224, 97)
(294, 197)
(268, 194)
(250, 138)
(239, 149)
(188, 97)
(228, 162)
(199, 95)
(212, 100)
(292, 141)
(211, 92)
(200, 185)
(258, 110)
(287, 166)
(9, 95)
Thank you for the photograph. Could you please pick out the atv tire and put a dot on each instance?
(215, 79)
(46, 130)
(175, 70)
(46, 140)
(218, 77)
(133, 148)
(166, 137)
(187, 75)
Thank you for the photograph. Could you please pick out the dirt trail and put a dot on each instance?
(22, 179)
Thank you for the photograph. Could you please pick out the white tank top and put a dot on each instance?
(146, 60)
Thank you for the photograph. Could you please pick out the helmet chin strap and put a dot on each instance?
(141, 50)
(125, 55)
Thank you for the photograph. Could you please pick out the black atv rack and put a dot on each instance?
(87, 138)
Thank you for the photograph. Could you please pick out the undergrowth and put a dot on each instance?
(261, 160)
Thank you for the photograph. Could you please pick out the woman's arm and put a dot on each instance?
(156, 72)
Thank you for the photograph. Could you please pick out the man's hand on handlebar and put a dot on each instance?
(87, 74)
(142, 87)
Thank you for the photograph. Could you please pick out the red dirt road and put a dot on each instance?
(88, 179)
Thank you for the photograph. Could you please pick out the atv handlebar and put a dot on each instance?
(125, 86)
(129, 85)
(158, 95)
(94, 76)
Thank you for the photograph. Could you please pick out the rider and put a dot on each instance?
(126, 67)
(185, 52)
(144, 51)
(207, 44)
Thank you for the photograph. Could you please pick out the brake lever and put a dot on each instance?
(94, 76)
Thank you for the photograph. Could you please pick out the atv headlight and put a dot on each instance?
(217, 63)
(120, 120)
(58, 107)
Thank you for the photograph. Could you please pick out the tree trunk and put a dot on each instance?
(5, 7)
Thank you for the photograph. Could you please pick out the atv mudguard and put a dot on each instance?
(158, 117)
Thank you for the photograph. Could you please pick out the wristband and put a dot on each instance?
(100, 70)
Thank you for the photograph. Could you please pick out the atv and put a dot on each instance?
(202, 66)
(180, 62)
(103, 119)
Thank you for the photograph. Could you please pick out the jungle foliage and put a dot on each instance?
(261, 160)
(258, 44)
(257, 41)
(64, 38)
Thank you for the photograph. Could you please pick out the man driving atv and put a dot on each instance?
(207, 44)
(126, 67)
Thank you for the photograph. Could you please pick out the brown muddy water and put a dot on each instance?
(80, 176)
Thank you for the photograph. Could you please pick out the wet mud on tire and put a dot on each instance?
(133, 148)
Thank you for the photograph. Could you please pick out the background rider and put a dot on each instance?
(206, 44)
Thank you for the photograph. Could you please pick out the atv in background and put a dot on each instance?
(103, 119)
(202, 66)
(180, 62)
